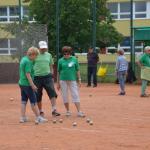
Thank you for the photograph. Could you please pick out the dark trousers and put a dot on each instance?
(92, 73)
(44, 82)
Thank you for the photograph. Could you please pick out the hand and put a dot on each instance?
(58, 86)
(79, 83)
(34, 88)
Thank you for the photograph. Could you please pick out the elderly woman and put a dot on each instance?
(68, 74)
(144, 63)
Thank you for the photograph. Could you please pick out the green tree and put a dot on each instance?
(76, 22)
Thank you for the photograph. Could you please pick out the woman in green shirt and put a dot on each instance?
(27, 87)
(68, 73)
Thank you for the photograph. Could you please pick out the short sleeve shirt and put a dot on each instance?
(26, 66)
(68, 68)
(145, 60)
(42, 64)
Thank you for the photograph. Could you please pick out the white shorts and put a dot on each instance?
(73, 87)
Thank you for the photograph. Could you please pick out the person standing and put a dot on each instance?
(68, 73)
(43, 70)
(121, 70)
(27, 87)
(144, 63)
(92, 60)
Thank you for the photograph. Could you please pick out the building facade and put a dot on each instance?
(120, 11)
(9, 12)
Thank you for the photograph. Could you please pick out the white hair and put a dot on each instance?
(147, 48)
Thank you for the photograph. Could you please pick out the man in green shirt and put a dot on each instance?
(43, 71)
(144, 63)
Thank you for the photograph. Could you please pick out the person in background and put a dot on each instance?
(68, 73)
(144, 63)
(121, 70)
(27, 86)
(92, 60)
(43, 70)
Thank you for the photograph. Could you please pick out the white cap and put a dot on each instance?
(43, 44)
(147, 48)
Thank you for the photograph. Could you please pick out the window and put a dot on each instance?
(122, 10)
(3, 14)
(14, 11)
(13, 43)
(140, 6)
(11, 13)
(140, 10)
(14, 19)
(3, 11)
(25, 11)
(3, 43)
(140, 15)
(3, 46)
(125, 7)
(8, 46)
(2, 51)
(113, 7)
(3, 19)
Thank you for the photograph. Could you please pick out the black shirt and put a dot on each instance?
(92, 59)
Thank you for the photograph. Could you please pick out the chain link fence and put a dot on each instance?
(23, 36)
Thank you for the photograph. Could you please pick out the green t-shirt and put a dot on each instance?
(145, 60)
(26, 66)
(42, 64)
(68, 68)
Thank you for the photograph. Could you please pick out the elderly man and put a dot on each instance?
(144, 63)
(43, 70)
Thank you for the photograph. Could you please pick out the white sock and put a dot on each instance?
(41, 110)
(53, 108)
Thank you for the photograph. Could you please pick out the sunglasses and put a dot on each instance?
(66, 54)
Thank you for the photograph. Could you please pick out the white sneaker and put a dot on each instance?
(23, 119)
(81, 114)
(40, 119)
(68, 113)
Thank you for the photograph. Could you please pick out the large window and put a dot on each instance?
(3, 11)
(122, 10)
(113, 7)
(8, 46)
(3, 14)
(140, 10)
(11, 13)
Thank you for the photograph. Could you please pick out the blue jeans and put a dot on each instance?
(28, 93)
(122, 77)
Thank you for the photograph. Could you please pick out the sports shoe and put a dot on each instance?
(94, 86)
(81, 114)
(144, 95)
(122, 93)
(40, 119)
(88, 85)
(68, 113)
(55, 113)
(23, 119)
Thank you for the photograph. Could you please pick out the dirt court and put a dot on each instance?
(120, 122)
